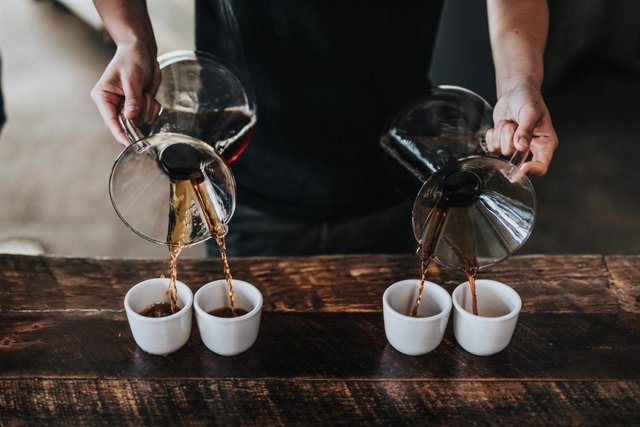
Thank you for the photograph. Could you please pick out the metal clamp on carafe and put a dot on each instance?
(173, 185)
(473, 209)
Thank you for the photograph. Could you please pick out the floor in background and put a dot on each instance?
(56, 155)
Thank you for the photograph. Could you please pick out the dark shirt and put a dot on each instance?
(327, 76)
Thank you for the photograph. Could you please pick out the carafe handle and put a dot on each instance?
(519, 157)
(130, 129)
(517, 160)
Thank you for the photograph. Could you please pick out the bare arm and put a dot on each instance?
(518, 30)
(132, 78)
(127, 21)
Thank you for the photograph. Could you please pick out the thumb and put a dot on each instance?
(528, 119)
(132, 97)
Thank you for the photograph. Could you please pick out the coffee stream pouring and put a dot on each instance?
(473, 209)
(173, 185)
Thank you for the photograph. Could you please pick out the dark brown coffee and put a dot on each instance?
(457, 190)
(229, 131)
(227, 312)
(181, 226)
(217, 229)
(465, 250)
(159, 309)
(428, 242)
(191, 210)
(425, 265)
(472, 273)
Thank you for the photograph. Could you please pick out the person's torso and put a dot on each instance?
(327, 76)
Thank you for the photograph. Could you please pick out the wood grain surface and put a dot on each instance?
(321, 345)
(67, 355)
(313, 402)
(355, 283)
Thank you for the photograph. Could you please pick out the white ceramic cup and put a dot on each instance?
(159, 335)
(498, 308)
(415, 336)
(234, 335)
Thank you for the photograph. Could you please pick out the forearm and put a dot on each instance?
(518, 31)
(127, 22)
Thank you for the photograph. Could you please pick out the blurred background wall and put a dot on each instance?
(56, 154)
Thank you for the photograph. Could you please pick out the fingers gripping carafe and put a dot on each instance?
(173, 185)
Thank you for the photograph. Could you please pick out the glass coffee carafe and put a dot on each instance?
(173, 185)
(473, 209)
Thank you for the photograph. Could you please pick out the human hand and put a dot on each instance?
(522, 122)
(129, 83)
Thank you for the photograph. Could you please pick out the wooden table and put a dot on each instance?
(67, 354)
